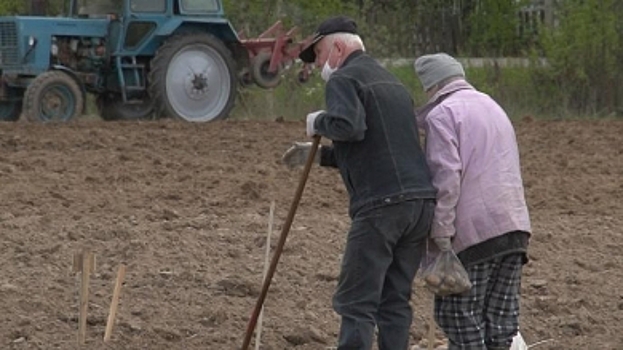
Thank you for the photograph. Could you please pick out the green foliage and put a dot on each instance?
(398, 28)
(512, 87)
(406, 74)
(8, 7)
(291, 99)
(20, 7)
(493, 28)
(255, 16)
(57, 7)
(387, 27)
(584, 53)
(584, 50)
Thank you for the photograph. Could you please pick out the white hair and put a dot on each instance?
(349, 39)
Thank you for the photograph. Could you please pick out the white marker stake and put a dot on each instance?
(258, 335)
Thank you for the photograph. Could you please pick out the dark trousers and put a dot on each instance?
(487, 318)
(383, 252)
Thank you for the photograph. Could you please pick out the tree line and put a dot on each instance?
(580, 39)
(391, 28)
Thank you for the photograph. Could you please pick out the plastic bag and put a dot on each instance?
(445, 275)
(519, 343)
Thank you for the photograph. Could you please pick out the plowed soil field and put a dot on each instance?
(186, 208)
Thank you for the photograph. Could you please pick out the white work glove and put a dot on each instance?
(444, 244)
(297, 154)
(311, 119)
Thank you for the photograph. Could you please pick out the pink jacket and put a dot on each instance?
(472, 153)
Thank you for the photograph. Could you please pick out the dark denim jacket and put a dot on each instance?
(370, 119)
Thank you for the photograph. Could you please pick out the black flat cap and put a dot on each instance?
(338, 24)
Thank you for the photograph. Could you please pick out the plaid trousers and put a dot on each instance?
(487, 317)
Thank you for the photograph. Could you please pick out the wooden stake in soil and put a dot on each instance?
(282, 240)
(258, 333)
(114, 303)
(84, 263)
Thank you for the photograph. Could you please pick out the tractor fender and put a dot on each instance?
(220, 28)
(75, 77)
(223, 31)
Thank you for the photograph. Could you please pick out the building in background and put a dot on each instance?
(535, 15)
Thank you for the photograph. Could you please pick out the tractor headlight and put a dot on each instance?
(32, 41)
(54, 50)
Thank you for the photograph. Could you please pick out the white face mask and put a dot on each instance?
(326, 69)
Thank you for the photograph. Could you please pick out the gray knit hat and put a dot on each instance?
(433, 69)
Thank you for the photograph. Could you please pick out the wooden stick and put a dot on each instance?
(88, 265)
(258, 334)
(285, 229)
(114, 303)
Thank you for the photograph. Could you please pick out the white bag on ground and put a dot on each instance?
(519, 343)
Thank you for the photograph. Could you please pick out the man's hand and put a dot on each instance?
(311, 119)
(297, 154)
(444, 244)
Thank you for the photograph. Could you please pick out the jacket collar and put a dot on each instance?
(445, 91)
(351, 57)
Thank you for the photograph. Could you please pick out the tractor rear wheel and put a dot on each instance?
(111, 107)
(53, 96)
(193, 78)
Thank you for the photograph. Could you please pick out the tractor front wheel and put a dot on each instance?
(193, 78)
(53, 96)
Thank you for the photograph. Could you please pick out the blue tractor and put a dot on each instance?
(139, 58)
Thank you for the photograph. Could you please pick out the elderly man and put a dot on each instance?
(369, 118)
(481, 212)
